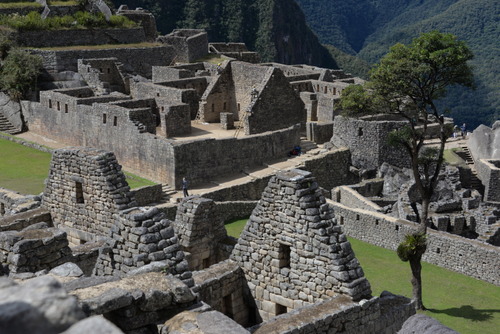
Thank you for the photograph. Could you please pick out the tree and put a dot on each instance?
(19, 72)
(408, 81)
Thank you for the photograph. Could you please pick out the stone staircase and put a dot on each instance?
(6, 126)
(307, 145)
(167, 192)
(489, 233)
(475, 182)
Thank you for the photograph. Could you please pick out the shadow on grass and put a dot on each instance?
(467, 312)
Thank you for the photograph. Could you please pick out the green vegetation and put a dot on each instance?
(465, 304)
(234, 227)
(275, 29)
(19, 72)
(103, 46)
(452, 158)
(19, 4)
(80, 20)
(367, 28)
(25, 169)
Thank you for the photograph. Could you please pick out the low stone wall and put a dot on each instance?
(12, 202)
(71, 37)
(352, 198)
(319, 132)
(22, 220)
(67, 60)
(223, 287)
(235, 209)
(248, 191)
(147, 194)
(136, 302)
(34, 250)
(341, 316)
(465, 256)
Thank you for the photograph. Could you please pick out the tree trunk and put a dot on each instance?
(423, 217)
(416, 281)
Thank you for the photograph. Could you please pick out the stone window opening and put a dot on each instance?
(58, 106)
(109, 70)
(284, 256)
(158, 94)
(326, 90)
(397, 227)
(115, 121)
(376, 221)
(341, 220)
(2, 209)
(50, 103)
(438, 250)
(360, 132)
(79, 193)
(334, 90)
(281, 309)
(205, 263)
(357, 217)
(103, 118)
(239, 107)
(65, 108)
(224, 106)
(100, 70)
(213, 107)
(227, 306)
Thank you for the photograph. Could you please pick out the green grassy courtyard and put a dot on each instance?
(25, 169)
(465, 304)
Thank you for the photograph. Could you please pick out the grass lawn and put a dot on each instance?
(25, 169)
(464, 304)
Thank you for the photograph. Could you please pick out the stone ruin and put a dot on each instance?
(292, 250)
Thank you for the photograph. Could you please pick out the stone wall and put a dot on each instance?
(488, 170)
(12, 202)
(33, 250)
(103, 74)
(340, 315)
(135, 303)
(367, 140)
(85, 187)
(19, 221)
(66, 60)
(331, 168)
(12, 111)
(465, 256)
(223, 287)
(201, 232)
(140, 236)
(234, 209)
(147, 194)
(484, 142)
(189, 44)
(293, 252)
(319, 132)
(72, 37)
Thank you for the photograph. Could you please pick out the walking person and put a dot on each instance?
(185, 185)
(463, 128)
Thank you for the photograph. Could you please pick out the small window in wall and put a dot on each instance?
(376, 221)
(79, 192)
(317, 88)
(206, 263)
(65, 108)
(284, 256)
(397, 227)
(50, 103)
(213, 107)
(58, 105)
(104, 118)
(438, 250)
(334, 90)
(360, 132)
(239, 108)
(224, 105)
(341, 220)
(162, 108)
(109, 70)
(100, 70)
(227, 306)
(357, 217)
(280, 309)
(158, 94)
(115, 121)
(326, 90)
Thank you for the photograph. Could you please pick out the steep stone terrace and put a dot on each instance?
(292, 250)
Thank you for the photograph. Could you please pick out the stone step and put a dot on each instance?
(6, 126)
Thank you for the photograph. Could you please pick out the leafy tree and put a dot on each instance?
(408, 81)
(19, 72)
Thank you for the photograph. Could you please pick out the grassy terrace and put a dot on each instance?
(25, 169)
(464, 304)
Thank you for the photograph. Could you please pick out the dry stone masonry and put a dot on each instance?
(84, 189)
(140, 236)
(293, 252)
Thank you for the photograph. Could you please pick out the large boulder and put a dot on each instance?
(40, 305)
(422, 324)
(484, 142)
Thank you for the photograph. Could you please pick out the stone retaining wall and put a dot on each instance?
(22, 220)
(341, 316)
(488, 171)
(34, 250)
(234, 209)
(147, 194)
(465, 256)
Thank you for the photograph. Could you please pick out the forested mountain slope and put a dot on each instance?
(368, 28)
(274, 28)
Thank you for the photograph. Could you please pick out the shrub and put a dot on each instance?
(19, 72)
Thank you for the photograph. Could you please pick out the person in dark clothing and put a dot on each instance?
(185, 185)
